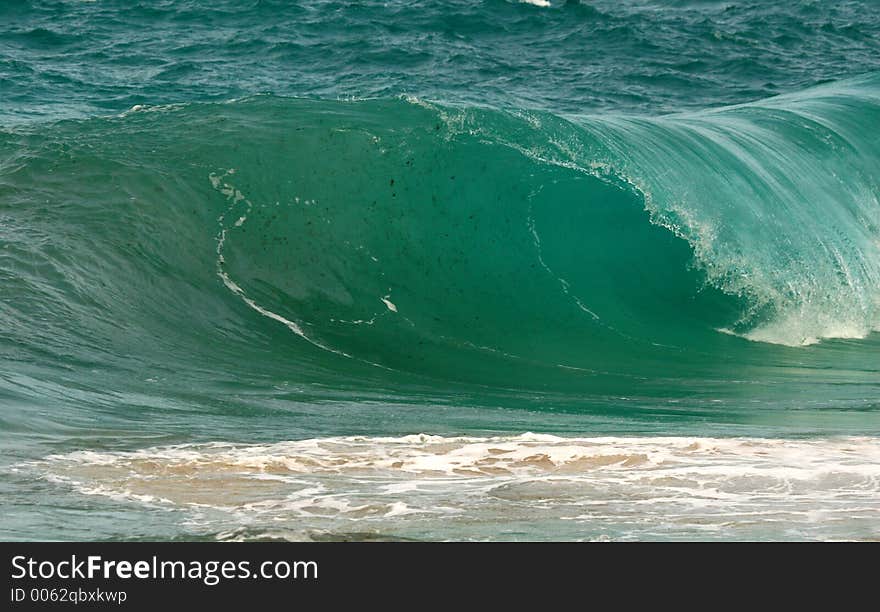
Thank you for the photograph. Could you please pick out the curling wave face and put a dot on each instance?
(460, 244)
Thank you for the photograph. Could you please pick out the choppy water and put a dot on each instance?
(483, 270)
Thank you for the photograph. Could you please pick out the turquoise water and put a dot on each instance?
(483, 270)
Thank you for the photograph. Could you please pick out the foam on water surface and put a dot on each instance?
(622, 487)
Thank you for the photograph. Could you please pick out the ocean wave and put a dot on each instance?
(451, 241)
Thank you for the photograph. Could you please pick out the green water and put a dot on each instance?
(439, 271)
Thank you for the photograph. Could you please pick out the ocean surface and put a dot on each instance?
(460, 270)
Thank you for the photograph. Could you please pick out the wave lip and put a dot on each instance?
(778, 199)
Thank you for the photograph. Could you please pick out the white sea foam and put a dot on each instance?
(388, 303)
(634, 487)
